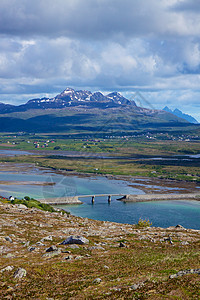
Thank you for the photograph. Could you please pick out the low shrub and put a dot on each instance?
(143, 223)
(34, 203)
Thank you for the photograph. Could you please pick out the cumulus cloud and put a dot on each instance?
(122, 45)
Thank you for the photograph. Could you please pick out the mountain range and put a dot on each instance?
(180, 114)
(71, 98)
(82, 112)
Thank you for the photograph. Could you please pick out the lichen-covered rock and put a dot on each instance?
(97, 280)
(21, 206)
(8, 268)
(96, 248)
(19, 273)
(185, 272)
(47, 238)
(137, 286)
(52, 253)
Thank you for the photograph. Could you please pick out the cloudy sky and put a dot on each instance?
(150, 46)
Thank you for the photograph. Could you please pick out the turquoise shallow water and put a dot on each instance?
(163, 213)
(31, 183)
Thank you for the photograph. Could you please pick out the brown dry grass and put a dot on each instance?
(147, 259)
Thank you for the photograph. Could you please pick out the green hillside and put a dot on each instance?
(81, 120)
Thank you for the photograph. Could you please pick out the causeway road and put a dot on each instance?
(159, 197)
(124, 198)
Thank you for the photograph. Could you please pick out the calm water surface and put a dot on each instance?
(160, 213)
(164, 213)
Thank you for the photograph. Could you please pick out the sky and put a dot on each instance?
(130, 46)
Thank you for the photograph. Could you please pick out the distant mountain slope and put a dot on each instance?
(180, 114)
(6, 108)
(93, 120)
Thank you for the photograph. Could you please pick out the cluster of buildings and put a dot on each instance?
(41, 144)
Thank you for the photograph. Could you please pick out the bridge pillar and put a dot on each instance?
(109, 198)
(93, 199)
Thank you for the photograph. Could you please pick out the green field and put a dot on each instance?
(116, 156)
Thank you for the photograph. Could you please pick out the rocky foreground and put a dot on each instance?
(58, 256)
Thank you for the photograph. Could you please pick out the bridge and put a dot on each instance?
(125, 198)
(75, 199)
(101, 195)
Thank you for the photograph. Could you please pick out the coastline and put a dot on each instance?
(149, 185)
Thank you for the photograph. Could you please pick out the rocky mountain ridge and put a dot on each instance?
(84, 111)
(71, 98)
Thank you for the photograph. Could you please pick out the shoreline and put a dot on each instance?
(149, 185)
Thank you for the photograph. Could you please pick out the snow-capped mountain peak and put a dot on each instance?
(70, 97)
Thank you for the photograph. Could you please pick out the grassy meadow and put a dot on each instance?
(116, 156)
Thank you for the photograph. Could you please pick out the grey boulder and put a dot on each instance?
(51, 249)
(80, 240)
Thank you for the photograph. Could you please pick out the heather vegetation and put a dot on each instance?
(32, 203)
(114, 261)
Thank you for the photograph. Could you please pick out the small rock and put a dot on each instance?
(122, 245)
(106, 267)
(136, 286)
(31, 248)
(168, 239)
(184, 243)
(47, 238)
(96, 248)
(51, 248)
(69, 257)
(179, 226)
(97, 280)
(78, 257)
(26, 244)
(40, 244)
(7, 238)
(8, 268)
(116, 289)
(19, 273)
(21, 206)
(80, 240)
(52, 253)
(9, 255)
